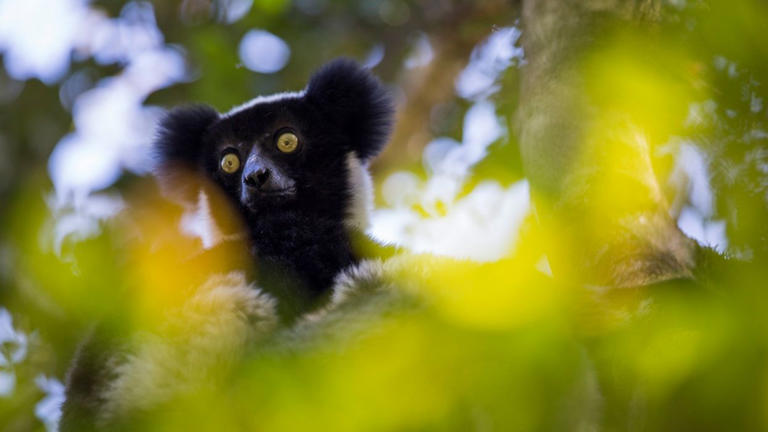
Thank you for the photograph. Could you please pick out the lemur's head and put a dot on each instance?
(302, 152)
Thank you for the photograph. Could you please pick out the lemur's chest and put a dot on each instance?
(298, 260)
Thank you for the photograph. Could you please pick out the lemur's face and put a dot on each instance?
(301, 152)
(273, 155)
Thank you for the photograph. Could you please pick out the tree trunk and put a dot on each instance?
(589, 164)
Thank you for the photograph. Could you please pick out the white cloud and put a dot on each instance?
(261, 51)
(487, 61)
(481, 226)
(37, 36)
(48, 410)
(429, 216)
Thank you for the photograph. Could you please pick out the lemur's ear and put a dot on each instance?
(178, 148)
(355, 101)
(180, 134)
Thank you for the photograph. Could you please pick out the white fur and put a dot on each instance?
(362, 292)
(198, 221)
(200, 340)
(399, 274)
(359, 214)
(195, 344)
(265, 99)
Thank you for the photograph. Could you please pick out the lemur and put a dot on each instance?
(294, 165)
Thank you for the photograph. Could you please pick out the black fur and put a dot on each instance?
(181, 131)
(299, 238)
(179, 146)
(355, 101)
(88, 377)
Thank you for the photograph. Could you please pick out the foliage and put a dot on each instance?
(494, 345)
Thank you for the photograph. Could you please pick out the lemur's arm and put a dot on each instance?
(195, 343)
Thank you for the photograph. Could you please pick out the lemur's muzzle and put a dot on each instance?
(261, 178)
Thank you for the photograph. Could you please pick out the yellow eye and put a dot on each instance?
(230, 163)
(287, 142)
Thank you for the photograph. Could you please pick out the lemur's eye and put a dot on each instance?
(230, 163)
(287, 142)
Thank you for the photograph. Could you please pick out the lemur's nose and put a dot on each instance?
(257, 178)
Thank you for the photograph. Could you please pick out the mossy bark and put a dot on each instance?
(595, 193)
